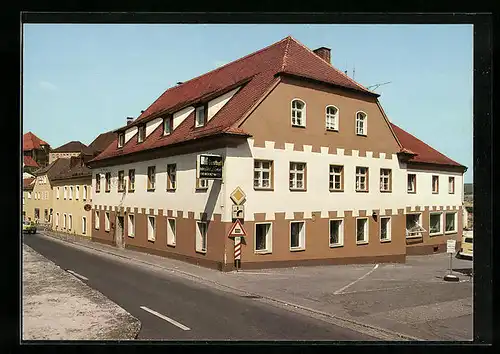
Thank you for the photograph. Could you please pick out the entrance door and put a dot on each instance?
(119, 232)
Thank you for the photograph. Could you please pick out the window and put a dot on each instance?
(200, 116)
(263, 237)
(201, 183)
(361, 179)
(362, 230)
(361, 123)
(151, 228)
(171, 176)
(121, 139)
(70, 222)
(298, 113)
(29, 195)
(336, 178)
(84, 193)
(336, 233)
(297, 235)
(414, 225)
(107, 176)
(84, 225)
(121, 181)
(385, 228)
(106, 221)
(167, 126)
(131, 180)
(96, 217)
(412, 183)
(151, 178)
(131, 225)
(65, 192)
(451, 222)
(64, 220)
(385, 180)
(262, 174)
(201, 236)
(435, 225)
(141, 133)
(57, 193)
(77, 192)
(171, 232)
(297, 175)
(57, 219)
(97, 183)
(451, 185)
(332, 118)
(435, 184)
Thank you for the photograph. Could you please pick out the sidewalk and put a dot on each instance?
(58, 306)
(389, 301)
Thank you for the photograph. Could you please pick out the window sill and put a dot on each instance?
(336, 190)
(361, 243)
(171, 190)
(386, 191)
(263, 189)
(298, 126)
(131, 236)
(385, 241)
(435, 234)
(107, 230)
(263, 252)
(361, 191)
(416, 236)
(131, 190)
(298, 189)
(332, 130)
(336, 245)
(108, 191)
(150, 189)
(171, 244)
(151, 240)
(411, 192)
(451, 192)
(121, 190)
(201, 252)
(359, 134)
(435, 192)
(297, 249)
(450, 232)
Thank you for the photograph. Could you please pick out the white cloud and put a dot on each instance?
(219, 63)
(45, 85)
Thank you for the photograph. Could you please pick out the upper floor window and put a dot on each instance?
(84, 193)
(167, 126)
(200, 116)
(141, 133)
(336, 178)
(131, 180)
(435, 184)
(77, 192)
(121, 181)
(151, 178)
(97, 184)
(385, 179)
(57, 193)
(298, 113)
(121, 139)
(412, 183)
(108, 181)
(361, 179)
(65, 192)
(332, 118)
(262, 174)
(451, 185)
(297, 176)
(171, 176)
(361, 123)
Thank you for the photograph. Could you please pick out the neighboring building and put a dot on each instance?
(101, 142)
(36, 148)
(327, 177)
(28, 184)
(73, 148)
(468, 205)
(29, 165)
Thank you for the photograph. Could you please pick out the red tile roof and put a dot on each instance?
(72, 146)
(28, 183)
(257, 71)
(424, 153)
(29, 162)
(31, 141)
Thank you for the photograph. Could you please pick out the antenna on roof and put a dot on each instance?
(376, 86)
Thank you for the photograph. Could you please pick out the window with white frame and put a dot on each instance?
(336, 178)
(57, 192)
(201, 236)
(96, 219)
(106, 221)
(200, 116)
(64, 220)
(29, 195)
(262, 174)
(435, 223)
(361, 123)
(171, 176)
(361, 179)
(171, 232)
(435, 184)
(412, 183)
(297, 175)
(57, 219)
(107, 178)
(121, 181)
(332, 118)
(385, 179)
(77, 192)
(131, 225)
(385, 228)
(201, 183)
(263, 237)
(451, 222)
(151, 228)
(414, 225)
(336, 230)
(70, 222)
(84, 193)
(97, 183)
(141, 133)
(151, 178)
(121, 139)
(451, 185)
(65, 192)
(298, 113)
(84, 225)
(131, 180)
(362, 230)
(167, 126)
(297, 235)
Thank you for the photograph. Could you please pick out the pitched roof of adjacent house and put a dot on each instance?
(54, 168)
(423, 152)
(72, 146)
(28, 183)
(102, 142)
(76, 168)
(31, 141)
(255, 73)
(29, 162)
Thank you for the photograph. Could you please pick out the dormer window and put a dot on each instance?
(121, 139)
(167, 126)
(200, 116)
(141, 134)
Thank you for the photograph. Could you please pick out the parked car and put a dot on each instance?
(466, 247)
(29, 227)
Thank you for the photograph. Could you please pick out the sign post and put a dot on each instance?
(450, 249)
(237, 252)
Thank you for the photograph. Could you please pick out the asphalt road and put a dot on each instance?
(187, 310)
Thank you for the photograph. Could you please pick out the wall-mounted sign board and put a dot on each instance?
(209, 166)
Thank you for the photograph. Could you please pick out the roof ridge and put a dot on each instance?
(283, 65)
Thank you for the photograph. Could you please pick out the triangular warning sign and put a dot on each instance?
(237, 230)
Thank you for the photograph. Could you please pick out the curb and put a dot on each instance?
(386, 333)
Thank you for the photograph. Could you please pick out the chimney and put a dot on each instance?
(73, 161)
(130, 120)
(323, 53)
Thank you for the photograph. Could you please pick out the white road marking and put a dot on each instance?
(355, 281)
(163, 317)
(77, 275)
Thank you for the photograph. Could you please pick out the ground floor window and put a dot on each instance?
(57, 219)
(106, 221)
(414, 225)
(151, 228)
(297, 235)
(37, 213)
(131, 225)
(84, 225)
(336, 232)
(171, 232)
(362, 230)
(96, 219)
(435, 225)
(385, 228)
(451, 222)
(263, 237)
(64, 221)
(70, 222)
(201, 236)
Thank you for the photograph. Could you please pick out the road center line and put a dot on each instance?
(355, 281)
(77, 275)
(168, 319)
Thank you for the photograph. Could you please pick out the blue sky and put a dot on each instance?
(82, 80)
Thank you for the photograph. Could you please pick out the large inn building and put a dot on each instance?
(327, 177)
